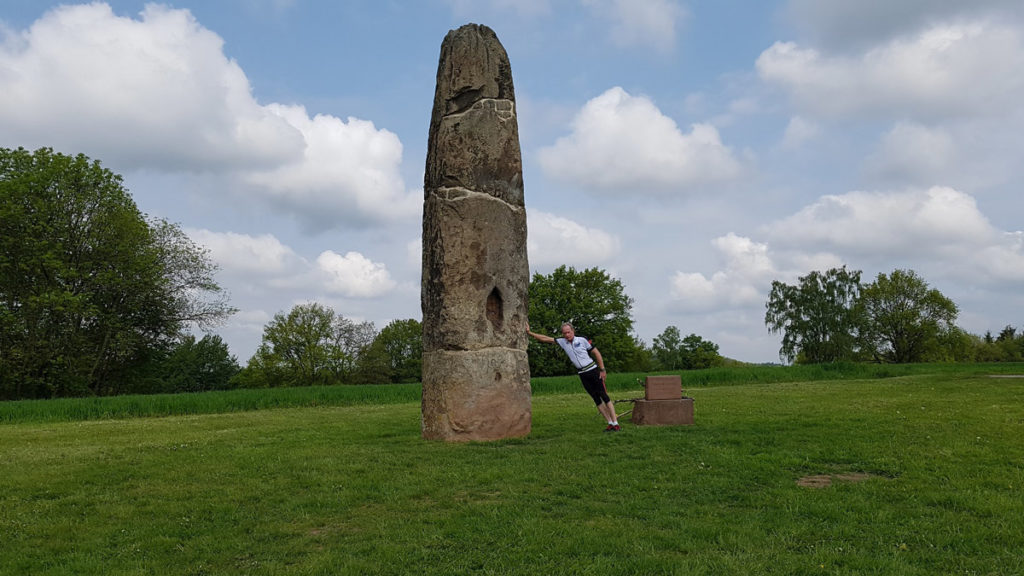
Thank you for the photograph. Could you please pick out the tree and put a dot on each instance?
(310, 345)
(817, 317)
(639, 358)
(667, 349)
(671, 352)
(904, 317)
(701, 353)
(594, 303)
(1007, 347)
(400, 345)
(88, 285)
(353, 340)
(197, 366)
(1010, 345)
(955, 345)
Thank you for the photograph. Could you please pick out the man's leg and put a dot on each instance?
(608, 410)
(595, 387)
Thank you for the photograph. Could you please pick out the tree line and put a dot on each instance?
(313, 345)
(96, 298)
(832, 316)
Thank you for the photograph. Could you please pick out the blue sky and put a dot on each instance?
(697, 151)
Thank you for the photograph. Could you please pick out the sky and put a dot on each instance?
(695, 150)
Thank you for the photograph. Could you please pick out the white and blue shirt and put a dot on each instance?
(579, 352)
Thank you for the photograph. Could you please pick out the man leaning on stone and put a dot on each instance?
(590, 369)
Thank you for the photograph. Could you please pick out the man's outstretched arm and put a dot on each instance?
(540, 337)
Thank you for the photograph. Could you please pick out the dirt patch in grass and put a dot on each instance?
(826, 480)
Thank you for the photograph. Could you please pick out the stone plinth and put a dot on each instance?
(677, 412)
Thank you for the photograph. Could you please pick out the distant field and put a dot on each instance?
(916, 471)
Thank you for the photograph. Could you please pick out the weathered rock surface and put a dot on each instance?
(477, 395)
(476, 378)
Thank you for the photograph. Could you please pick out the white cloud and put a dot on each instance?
(264, 258)
(414, 253)
(914, 152)
(694, 291)
(250, 321)
(748, 272)
(158, 93)
(745, 257)
(554, 241)
(243, 254)
(155, 92)
(1004, 261)
(798, 131)
(799, 263)
(890, 224)
(349, 171)
(840, 23)
(353, 275)
(641, 22)
(623, 143)
(947, 70)
(939, 231)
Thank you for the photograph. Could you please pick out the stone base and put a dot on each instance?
(476, 395)
(663, 412)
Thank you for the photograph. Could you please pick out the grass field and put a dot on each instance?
(926, 467)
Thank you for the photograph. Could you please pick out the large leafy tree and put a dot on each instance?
(817, 316)
(905, 318)
(89, 286)
(310, 345)
(597, 306)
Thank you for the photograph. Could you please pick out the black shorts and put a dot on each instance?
(594, 386)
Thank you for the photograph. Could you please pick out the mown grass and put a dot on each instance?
(354, 489)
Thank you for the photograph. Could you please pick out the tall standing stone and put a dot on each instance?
(476, 377)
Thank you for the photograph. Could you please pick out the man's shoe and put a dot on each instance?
(617, 428)
(611, 428)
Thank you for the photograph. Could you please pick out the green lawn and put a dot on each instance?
(352, 489)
